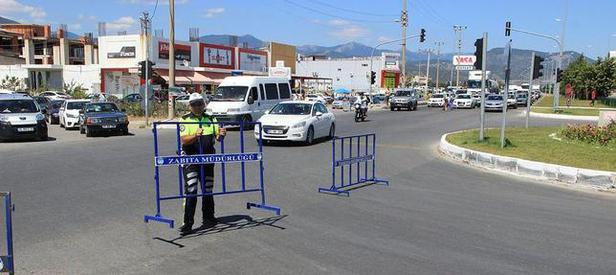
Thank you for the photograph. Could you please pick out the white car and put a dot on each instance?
(512, 101)
(317, 98)
(436, 100)
(53, 95)
(69, 112)
(464, 101)
(297, 121)
(183, 100)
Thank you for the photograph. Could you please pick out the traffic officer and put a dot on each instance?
(198, 139)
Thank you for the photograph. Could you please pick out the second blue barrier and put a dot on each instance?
(353, 162)
(223, 158)
(7, 263)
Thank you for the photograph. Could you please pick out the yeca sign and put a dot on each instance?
(464, 60)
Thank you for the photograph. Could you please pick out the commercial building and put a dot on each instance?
(352, 73)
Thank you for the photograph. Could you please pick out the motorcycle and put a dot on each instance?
(360, 113)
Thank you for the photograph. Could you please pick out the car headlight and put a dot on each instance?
(40, 116)
(122, 119)
(4, 120)
(95, 120)
(299, 125)
(233, 110)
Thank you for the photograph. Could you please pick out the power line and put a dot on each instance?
(154, 12)
(352, 11)
(332, 15)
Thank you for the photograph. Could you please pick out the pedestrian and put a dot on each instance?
(199, 139)
(593, 97)
(445, 102)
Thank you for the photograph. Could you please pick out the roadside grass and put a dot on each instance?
(536, 144)
(568, 111)
(548, 100)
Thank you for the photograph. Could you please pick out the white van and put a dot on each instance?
(247, 97)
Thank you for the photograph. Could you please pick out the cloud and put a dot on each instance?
(209, 13)
(10, 7)
(350, 32)
(122, 24)
(338, 22)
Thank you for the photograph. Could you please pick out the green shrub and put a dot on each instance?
(590, 133)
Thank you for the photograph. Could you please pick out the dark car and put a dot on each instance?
(132, 98)
(43, 102)
(102, 117)
(53, 110)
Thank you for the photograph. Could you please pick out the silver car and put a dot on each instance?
(494, 103)
(21, 118)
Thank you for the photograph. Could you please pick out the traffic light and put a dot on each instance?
(559, 74)
(508, 28)
(372, 77)
(149, 67)
(422, 35)
(478, 54)
(142, 69)
(537, 67)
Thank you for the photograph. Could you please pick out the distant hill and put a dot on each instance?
(225, 39)
(4, 20)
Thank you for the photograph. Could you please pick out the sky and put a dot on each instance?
(589, 25)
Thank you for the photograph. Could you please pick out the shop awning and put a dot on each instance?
(187, 77)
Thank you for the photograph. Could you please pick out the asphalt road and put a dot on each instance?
(80, 204)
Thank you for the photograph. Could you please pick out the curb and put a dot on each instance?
(567, 117)
(526, 168)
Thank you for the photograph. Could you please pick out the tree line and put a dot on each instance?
(585, 77)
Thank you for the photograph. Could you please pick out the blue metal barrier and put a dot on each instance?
(7, 263)
(341, 160)
(222, 158)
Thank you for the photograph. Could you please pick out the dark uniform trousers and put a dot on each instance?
(193, 175)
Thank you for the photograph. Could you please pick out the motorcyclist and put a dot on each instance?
(363, 101)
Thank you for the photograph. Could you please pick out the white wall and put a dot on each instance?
(89, 76)
(349, 73)
(113, 44)
(13, 71)
(154, 52)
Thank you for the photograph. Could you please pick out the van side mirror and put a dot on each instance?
(81, 111)
(266, 112)
(318, 114)
(251, 100)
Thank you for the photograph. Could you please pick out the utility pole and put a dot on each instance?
(530, 86)
(484, 64)
(506, 95)
(403, 25)
(171, 109)
(145, 24)
(458, 29)
(438, 61)
(428, 70)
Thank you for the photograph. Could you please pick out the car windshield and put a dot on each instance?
(495, 97)
(41, 100)
(403, 93)
(474, 84)
(18, 106)
(460, 92)
(463, 97)
(291, 109)
(56, 104)
(315, 96)
(101, 108)
(75, 105)
(437, 96)
(230, 93)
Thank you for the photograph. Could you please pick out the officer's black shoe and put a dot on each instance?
(185, 229)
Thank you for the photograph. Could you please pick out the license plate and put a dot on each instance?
(25, 129)
(108, 126)
(275, 131)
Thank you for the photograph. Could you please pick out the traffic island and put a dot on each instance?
(539, 153)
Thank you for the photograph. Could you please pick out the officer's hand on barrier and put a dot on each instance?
(199, 132)
(223, 132)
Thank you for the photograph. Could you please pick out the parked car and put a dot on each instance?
(69, 112)
(494, 102)
(436, 100)
(521, 99)
(316, 97)
(21, 118)
(53, 110)
(102, 117)
(132, 98)
(403, 99)
(53, 95)
(302, 121)
(183, 99)
(464, 101)
(43, 103)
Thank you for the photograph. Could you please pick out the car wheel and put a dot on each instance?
(415, 107)
(82, 130)
(88, 132)
(246, 120)
(332, 131)
(309, 136)
(392, 108)
(125, 131)
(60, 122)
(43, 137)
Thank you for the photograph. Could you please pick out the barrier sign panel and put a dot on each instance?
(204, 159)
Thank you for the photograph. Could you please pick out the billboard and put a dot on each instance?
(251, 60)
(464, 60)
(182, 52)
(217, 56)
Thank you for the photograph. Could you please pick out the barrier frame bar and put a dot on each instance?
(357, 160)
(9, 259)
(159, 217)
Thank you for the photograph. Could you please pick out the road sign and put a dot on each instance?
(465, 67)
(464, 60)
